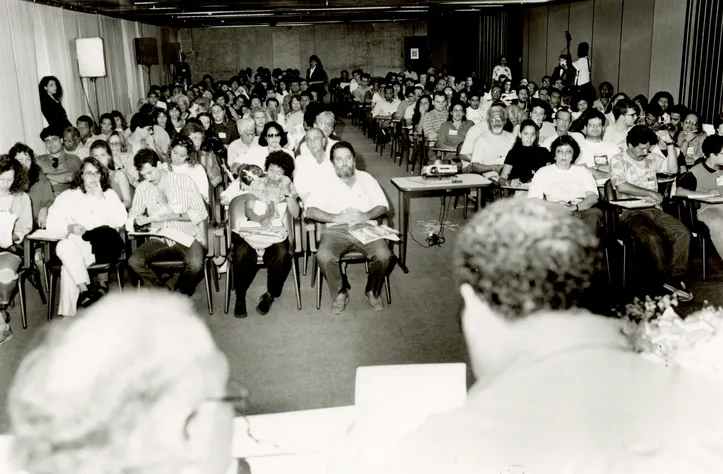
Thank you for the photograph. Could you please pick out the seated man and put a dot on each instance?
(663, 237)
(704, 178)
(312, 165)
(563, 119)
(60, 167)
(434, 119)
(324, 121)
(475, 113)
(359, 93)
(552, 376)
(85, 126)
(348, 198)
(594, 152)
(388, 106)
(171, 201)
(238, 148)
(491, 148)
(625, 114)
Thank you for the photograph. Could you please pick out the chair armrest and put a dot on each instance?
(27, 254)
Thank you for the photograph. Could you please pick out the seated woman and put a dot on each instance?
(16, 221)
(206, 121)
(100, 150)
(272, 138)
(295, 118)
(265, 205)
(206, 158)
(177, 121)
(525, 157)
(185, 160)
(88, 205)
(421, 108)
(454, 130)
(122, 157)
(37, 184)
(572, 186)
(225, 128)
(690, 139)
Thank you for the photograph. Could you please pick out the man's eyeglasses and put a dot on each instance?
(91, 174)
(690, 122)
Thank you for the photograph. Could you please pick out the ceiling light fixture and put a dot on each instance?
(144, 3)
(249, 12)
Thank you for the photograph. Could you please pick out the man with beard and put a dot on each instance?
(349, 197)
(491, 148)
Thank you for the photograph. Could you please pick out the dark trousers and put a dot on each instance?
(277, 260)
(155, 250)
(337, 241)
(593, 217)
(663, 238)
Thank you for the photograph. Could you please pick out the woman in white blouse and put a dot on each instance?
(100, 150)
(272, 138)
(89, 204)
(185, 160)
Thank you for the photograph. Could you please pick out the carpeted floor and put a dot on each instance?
(292, 360)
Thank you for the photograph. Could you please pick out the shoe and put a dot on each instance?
(89, 297)
(679, 289)
(375, 302)
(239, 310)
(6, 334)
(339, 304)
(265, 303)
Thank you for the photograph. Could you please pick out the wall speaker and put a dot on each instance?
(91, 58)
(146, 51)
(171, 53)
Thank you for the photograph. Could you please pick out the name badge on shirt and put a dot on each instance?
(601, 160)
(452, 132)
(221, 134)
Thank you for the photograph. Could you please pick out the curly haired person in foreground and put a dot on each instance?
(136, 385)
(558, 389)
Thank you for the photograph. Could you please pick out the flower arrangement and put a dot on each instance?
(656, 331)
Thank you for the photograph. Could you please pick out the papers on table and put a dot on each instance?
(601, 181)
(45, 234)
(366, 233)
(171, 234)
(633, 203)
(708, 198)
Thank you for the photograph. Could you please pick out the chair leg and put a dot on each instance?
(388, 289)
(703, 251)
(314, 266)
(52, 283)
(216, 276)
(21, 294)
(227, 290)
(207, 283)
(464, 211)
(625, 263)
(297, 282)
(318, 287)
(41, 290)
(118, 276)
(607, 266)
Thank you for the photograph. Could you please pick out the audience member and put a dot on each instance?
(525, 157)
(37, 185)
(206, 157)
(51, 95)
(594, 152)
(664, 239)
(434, 119)
(238, 148)
(313, 164)
(168, 200)
(563, 119)
(625, 115)
(351, 197)
(491, 148)
(60, 167)
(100, 150)
(89, 204)
(453, 132)
(690, 139)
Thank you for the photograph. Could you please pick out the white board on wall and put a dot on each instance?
(91, 58)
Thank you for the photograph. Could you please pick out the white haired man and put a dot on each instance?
(558, 389)
(135, 386)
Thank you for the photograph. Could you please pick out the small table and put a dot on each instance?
(417, 186)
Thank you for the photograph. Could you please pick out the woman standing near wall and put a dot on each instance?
(51, 93)
(316, 77)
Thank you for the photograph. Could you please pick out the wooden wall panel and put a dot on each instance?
(607, 24)
(537, 57)
(581, 16)
(666, 56)
(636, 46)
(558, 18)
(526, 43)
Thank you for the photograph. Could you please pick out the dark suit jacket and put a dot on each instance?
(319, 75)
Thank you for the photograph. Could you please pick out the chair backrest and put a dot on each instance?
(610, 193)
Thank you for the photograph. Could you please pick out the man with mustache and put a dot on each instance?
(348, 198)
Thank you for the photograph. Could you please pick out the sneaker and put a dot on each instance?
(239, 310)
(375, 302)
(265, 303)
(680, 289)
(339, 304)
(6, 334)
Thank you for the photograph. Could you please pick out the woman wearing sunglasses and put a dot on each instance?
(272, 138)
(89, 204)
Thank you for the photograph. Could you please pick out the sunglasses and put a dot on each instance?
(272, 135)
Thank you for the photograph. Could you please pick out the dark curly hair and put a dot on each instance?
(524, 255)
(283, 160)
(104, 145)
(20, 181)
(34, 172)
(566, 140)
(184, 141)
(279, 128)
(104, 175)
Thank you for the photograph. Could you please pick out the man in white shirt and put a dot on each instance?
(313, 165)
(594, 152)
(563, 119)
(474, 112)
(558, 388)
(238, 149)
(491, 148)
(324, 121)
(349, 198)
(625, 114)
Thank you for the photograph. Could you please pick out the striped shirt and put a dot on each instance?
(184, 198)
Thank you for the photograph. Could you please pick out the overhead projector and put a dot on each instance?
(440, 169)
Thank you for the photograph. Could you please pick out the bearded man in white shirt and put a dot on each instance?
(349, 198)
